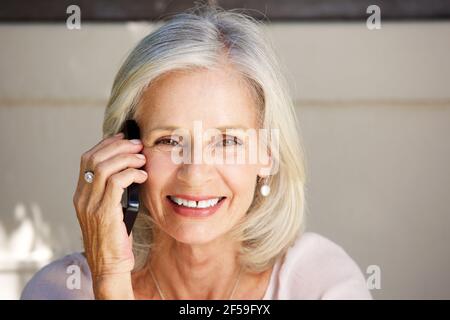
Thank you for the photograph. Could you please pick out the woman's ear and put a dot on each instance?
(268, 160)
(267, 167)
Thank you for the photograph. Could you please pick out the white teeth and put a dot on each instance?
(207, 203)
(195, 204)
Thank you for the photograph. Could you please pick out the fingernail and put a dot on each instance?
(135, 141)
(141, 156)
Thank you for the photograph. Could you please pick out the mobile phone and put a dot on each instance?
(130, 196)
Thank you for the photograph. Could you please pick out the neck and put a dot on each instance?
(200, 271)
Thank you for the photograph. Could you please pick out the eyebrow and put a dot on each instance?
(221, 128)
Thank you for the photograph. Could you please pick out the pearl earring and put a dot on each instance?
(265, 188)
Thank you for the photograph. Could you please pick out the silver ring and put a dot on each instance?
(88, 176)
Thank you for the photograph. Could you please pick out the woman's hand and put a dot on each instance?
(108, 249)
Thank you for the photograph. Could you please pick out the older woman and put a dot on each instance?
(205, 80)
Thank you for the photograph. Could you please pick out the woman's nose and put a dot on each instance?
(195, 175)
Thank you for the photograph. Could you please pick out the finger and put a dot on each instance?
(112, 149)
(112, 166)
(82, 184)
(107, 151)
(87, 155)
(105, 142)
(116, 185)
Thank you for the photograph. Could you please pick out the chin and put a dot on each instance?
(194, 234)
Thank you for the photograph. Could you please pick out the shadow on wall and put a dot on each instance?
(26, 245)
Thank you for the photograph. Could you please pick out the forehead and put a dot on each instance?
(217, 98)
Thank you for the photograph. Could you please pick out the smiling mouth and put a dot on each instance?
(201, 204)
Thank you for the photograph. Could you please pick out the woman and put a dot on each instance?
(205, 230)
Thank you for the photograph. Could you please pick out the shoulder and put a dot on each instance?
(315, 267)
(66, 278)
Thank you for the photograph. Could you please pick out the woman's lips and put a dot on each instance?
(195, 212)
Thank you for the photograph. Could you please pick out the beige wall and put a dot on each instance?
(374, 109)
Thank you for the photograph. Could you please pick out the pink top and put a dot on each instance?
(313, 268)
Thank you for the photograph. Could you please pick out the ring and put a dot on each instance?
(88, 176)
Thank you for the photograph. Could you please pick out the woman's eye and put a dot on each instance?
(167, 141)
(231, 141)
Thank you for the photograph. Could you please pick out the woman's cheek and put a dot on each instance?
(239, 177)
(159, 166)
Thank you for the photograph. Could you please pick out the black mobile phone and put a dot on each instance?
(130, 196)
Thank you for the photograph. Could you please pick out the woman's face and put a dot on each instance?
(195, 101)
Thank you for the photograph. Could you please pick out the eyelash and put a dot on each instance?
(163, 139)
(234, 139)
